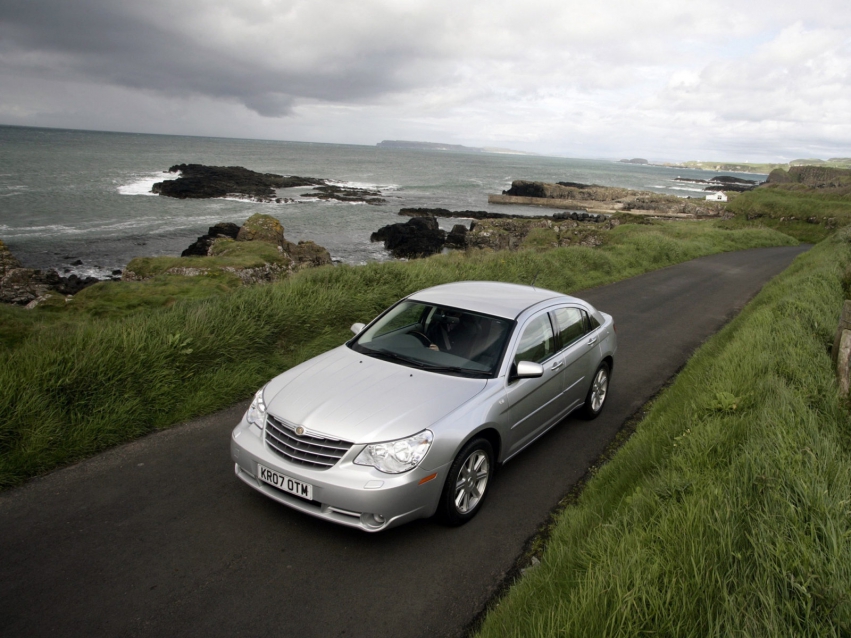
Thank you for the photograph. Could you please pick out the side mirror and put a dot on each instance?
(528, 370)
(357, 327)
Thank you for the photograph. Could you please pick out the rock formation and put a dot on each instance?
(228, 242)
(536, 233)
(260, 227)
(201, 246)
(346, 194)
(199, 181)
(418, 237)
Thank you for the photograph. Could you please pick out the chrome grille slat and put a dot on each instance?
(312, 451)
(302, 447)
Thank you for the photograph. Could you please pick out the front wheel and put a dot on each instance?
(467, 483)
(597, 393)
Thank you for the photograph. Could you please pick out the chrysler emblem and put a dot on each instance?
(299, 430)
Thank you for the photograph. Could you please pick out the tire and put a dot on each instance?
(465, 491)
(595, 400)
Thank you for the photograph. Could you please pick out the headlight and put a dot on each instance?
(399, 456)
(257, 410)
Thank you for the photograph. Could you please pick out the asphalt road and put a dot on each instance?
(158, 538)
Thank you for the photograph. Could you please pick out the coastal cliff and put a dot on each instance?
(811, 177)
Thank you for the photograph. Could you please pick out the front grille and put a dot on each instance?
(320, 453)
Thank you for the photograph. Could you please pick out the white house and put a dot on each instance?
(717, 197)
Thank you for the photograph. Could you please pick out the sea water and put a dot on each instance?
(68, 196)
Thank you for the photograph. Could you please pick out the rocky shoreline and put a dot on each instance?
(29, 286)
(606, 200)
(422, 236)
(255, 252)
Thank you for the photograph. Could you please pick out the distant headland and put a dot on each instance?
(455, 148)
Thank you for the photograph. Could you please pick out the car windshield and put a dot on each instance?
(437, 338)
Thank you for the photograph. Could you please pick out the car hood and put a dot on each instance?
(357, 398)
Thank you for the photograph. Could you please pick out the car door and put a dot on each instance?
(579, 351)
(534, 404)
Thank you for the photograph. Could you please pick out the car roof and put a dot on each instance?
(488, 297)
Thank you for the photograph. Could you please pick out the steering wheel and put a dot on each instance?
(422, 337)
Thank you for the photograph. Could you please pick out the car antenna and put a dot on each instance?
(535, 278)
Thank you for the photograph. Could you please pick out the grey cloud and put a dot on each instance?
(107, 41)
(270, 104)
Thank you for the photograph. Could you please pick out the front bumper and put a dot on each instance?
(348, 494)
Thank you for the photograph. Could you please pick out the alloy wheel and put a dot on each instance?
(599, 389)
(472, 481)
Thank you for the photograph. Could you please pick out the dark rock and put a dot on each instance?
(73, 284)
(729, 179)
(201, 246)
(457, 237)
(418, 237)
(731, 188)
(346, 194)
(117, 271)
(28, 286)
(581, 216)
(691, 180)
(197, 181)
(574, 185)
(79, 262)
(521, 188)
(443, 212)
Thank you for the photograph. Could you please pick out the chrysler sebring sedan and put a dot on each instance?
(411, 417)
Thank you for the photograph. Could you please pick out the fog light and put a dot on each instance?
(372, 520)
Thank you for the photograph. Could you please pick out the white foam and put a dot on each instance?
(363, 185)
(26, 231)
(15, 190)
(683, 188)
(144, 183)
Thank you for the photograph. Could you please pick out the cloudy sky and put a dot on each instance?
(663, 79)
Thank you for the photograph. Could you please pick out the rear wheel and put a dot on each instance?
(597, 393)
(467, 483)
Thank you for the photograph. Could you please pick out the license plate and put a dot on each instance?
(285, 483)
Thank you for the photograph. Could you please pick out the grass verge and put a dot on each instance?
(729, 510)
(77, 382)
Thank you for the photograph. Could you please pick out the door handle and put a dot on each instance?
(592, 341)
(557, 365)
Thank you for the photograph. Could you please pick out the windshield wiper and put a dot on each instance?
(464, 371)
(387, 354)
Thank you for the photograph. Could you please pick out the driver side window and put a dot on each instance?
(537, 343)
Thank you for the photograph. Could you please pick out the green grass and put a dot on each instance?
(807, 216)
(76, 382)
(728, 513)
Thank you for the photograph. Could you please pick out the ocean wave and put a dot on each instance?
(683, 188)
(144, 183)
(364, 185)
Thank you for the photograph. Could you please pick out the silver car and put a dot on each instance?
(413, 415)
